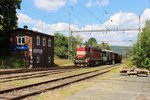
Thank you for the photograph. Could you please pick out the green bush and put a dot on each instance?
(146, 63)
(128, 62)
(13, 62)
(141, 50)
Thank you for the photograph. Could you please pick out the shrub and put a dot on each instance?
(128, 62)
(140, 52)
(13, 62)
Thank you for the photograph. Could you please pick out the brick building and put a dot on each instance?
(35, 47)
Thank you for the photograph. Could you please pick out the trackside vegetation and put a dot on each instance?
(13, 62)
(8, 21)
(140, 53)
(62, 50)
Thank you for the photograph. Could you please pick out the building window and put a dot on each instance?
(49, 59)
(38, 40)
(37, 59)
(44, 41)
(49, 42)
(20, 40)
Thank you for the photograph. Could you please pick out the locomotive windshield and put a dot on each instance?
(81, 52)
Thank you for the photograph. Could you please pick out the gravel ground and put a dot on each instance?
(116, 87)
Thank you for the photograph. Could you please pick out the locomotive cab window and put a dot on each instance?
(20, 40)
(89, 49)
(103, 54)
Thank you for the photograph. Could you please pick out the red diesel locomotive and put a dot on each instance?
(86, 55)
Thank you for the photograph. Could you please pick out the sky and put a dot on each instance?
(51, 16)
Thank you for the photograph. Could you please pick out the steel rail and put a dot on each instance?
(34, 73)
(49, 81)
(23, 77)
(25, 70)
(58, 86)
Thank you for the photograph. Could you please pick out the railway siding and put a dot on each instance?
(113, 86)
(20, 82)
(48, 85)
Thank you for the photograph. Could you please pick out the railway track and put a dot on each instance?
(34, 75)
(37, 88)
(29, 75)
(25, 70)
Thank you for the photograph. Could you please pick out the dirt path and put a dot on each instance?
(116, 87)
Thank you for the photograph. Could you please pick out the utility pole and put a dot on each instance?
(69, 36)
(139, 24)
(139, 31)
(42, 24)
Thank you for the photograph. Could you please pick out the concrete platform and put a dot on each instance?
(116, 87)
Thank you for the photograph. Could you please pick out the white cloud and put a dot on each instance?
(52, 5)
(91, 3)
(120, 20)
(24, 19)
(123, 19)
(41, 26)
(91, 27)
(127, 19)
(145, 16)
(73, 1)
(52, 28)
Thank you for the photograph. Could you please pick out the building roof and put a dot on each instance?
(32, 31)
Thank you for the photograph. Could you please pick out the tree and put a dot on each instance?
(79, 39)
(8, 21)
(75, 41)
(141, 50)
(104, 46)
(61, 46)
(8, 18)
(91, 42)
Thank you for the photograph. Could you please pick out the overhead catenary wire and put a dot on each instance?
(91, 13)
(81, 21)
(105, 30)
(21, 19)
(118, 41)
(39, 14)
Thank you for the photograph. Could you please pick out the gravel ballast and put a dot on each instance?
(115, 87)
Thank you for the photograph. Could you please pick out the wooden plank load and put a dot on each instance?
(134, 71)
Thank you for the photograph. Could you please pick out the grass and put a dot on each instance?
(60, 94)
(64, 93)
(128, 63)
(40, 79)
(62, 62)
